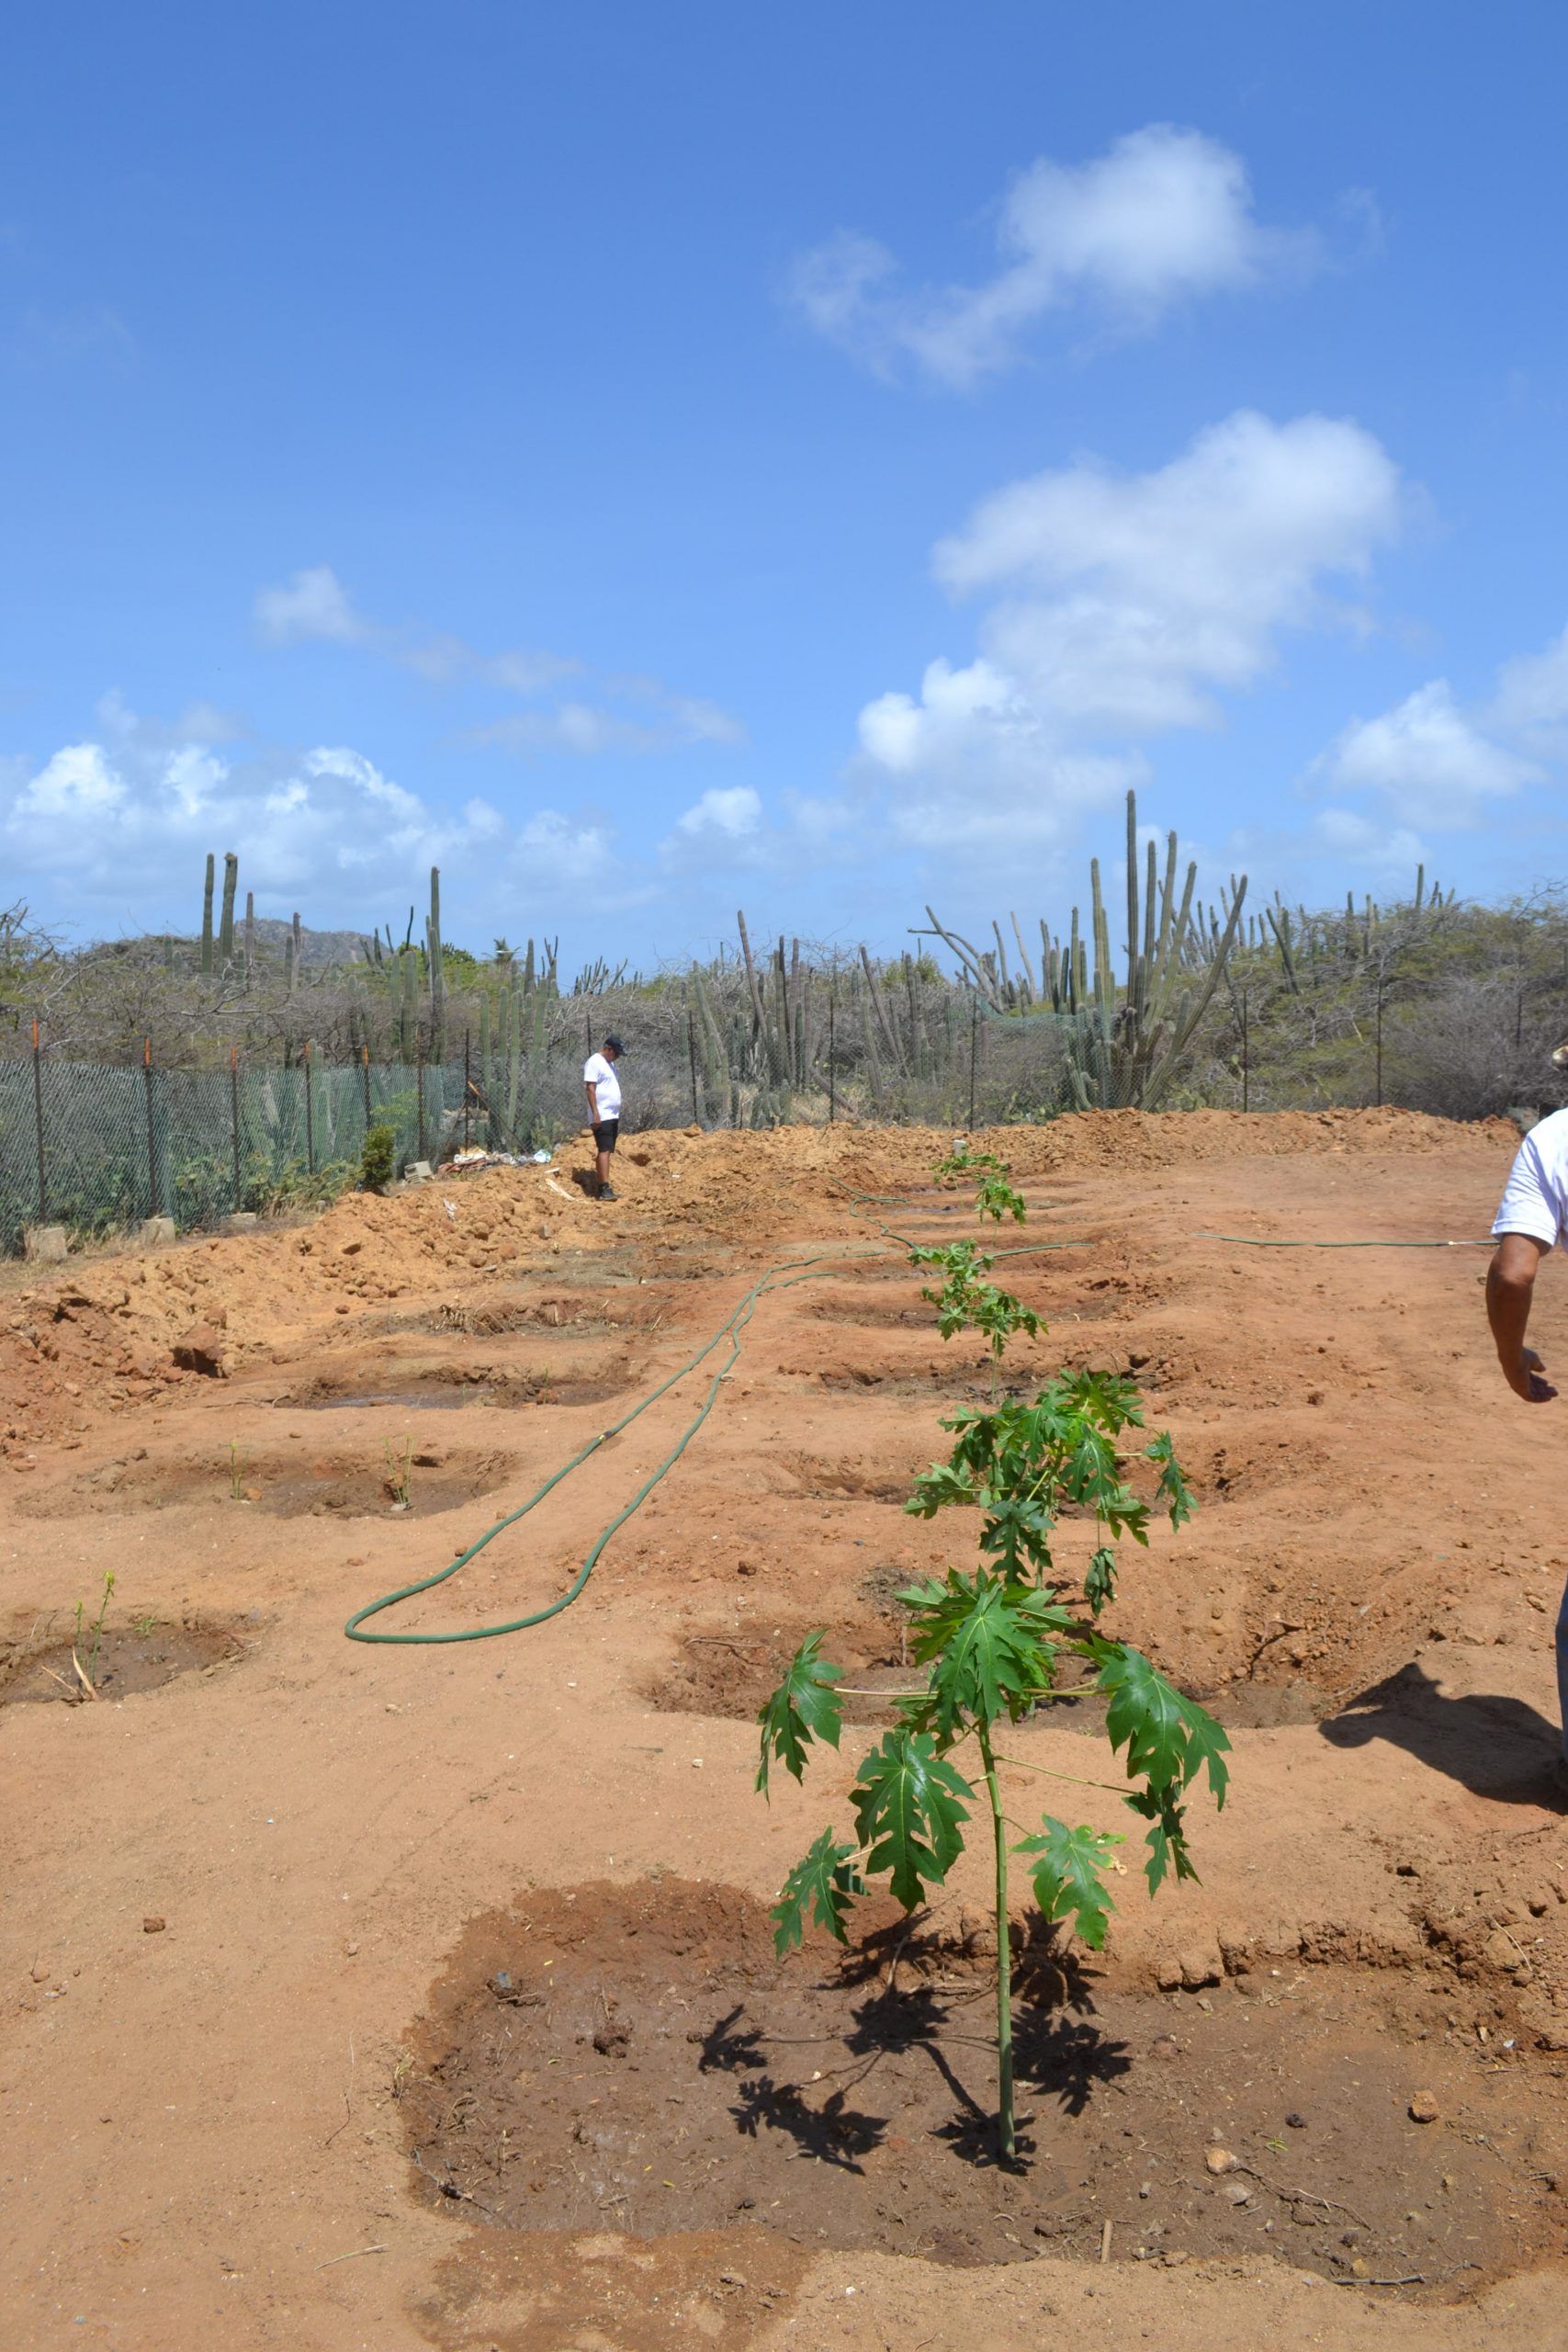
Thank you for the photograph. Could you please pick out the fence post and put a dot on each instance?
(310, 1117)
(692, 1058)
(468, 1088)
(1245, 1058)
(419, 1083)
(364, 1064)
(151, 1134)
(832, 1005)
(234, 1121)
(1380, 1039)
(38, 1126)
(973, 1050)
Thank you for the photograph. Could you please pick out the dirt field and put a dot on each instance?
(423, 1995)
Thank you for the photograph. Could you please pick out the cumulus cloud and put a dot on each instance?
(1531, 701)
(313, 604)
(733, 813)
(1426, 760)
(1165, 216)
(1121, 606)
(1432, 761)
(313, 607)
(109, 820)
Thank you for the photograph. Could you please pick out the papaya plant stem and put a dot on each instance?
(1004, 1951)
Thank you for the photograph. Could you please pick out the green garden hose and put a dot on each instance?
(781, 1277)
(1249, 1242)
(784, 1276)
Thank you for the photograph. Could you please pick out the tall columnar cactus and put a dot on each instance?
(438, 978)
(1125, 1044)
(226, 932)
(207, 916)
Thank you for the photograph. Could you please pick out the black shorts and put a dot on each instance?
(605, 1135)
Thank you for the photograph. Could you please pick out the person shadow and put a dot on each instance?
(1495, 1746)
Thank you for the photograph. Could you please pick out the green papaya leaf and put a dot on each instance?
(824, 1881)
(1169, 1737)
(990, 1644)
(805, 1707)
(1100, 1579)
(1166, 1839)
(908, 1804)
(1066, 1871)
(1174, 1491)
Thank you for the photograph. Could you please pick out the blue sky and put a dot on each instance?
(653, 461)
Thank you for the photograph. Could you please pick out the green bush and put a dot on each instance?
(377, 1161)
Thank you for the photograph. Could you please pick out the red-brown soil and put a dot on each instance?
(211, 2122)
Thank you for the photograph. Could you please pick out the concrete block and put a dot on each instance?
(419, 1172)
(242, 1221)
(154, 1230)
(46, 1245)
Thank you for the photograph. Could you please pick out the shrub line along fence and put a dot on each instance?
(97, 1147)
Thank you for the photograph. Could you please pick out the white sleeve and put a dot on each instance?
(1531, 1203)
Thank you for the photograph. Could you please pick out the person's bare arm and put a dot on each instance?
(1511, 1286)
(590, 1087)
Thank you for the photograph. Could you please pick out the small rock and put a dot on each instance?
(1237, 2192)
(1165, 2047)
(1201, 1965)
(201, 1351)
(1424, 2108)
(154, 1924)
(40, 1971)
(1306, 2217)
(1220, 2159)
(1296, 2120)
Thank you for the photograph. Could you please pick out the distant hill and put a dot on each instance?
(316, 947)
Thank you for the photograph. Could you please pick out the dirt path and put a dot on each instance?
(262, 1894)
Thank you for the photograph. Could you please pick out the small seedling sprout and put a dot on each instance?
(398, 1480)
(992, 1644)
(238, 1465)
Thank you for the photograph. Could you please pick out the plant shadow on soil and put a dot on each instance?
(634, 2058)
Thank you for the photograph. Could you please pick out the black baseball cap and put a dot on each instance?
(614, 1043)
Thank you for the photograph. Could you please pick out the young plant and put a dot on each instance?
(398, 1480)
(993, 1644)
(965, 1300)
(88, 1674)
(238, 1465)
(377, 1159)
(994, 1196)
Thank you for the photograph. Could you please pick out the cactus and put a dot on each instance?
(1125, 1046)
(207, 917)
(226, 932)
(437, 978)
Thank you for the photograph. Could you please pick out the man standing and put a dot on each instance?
(603, 1086)
(1532, 1220)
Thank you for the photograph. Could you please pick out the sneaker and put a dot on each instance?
(607, 1193)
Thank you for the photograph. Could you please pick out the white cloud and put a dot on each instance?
(1531, 701)
(1427, 760)
(1394, 851)
(1166, 215)
(109, 822)
(313, 606)
(1124, 605)
(735, 812)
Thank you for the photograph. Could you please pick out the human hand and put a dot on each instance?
(1527, 1379)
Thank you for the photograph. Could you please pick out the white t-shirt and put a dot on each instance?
(1536, 1201)
(599, 1073)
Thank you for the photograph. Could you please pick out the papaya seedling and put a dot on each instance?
(992, 1644)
